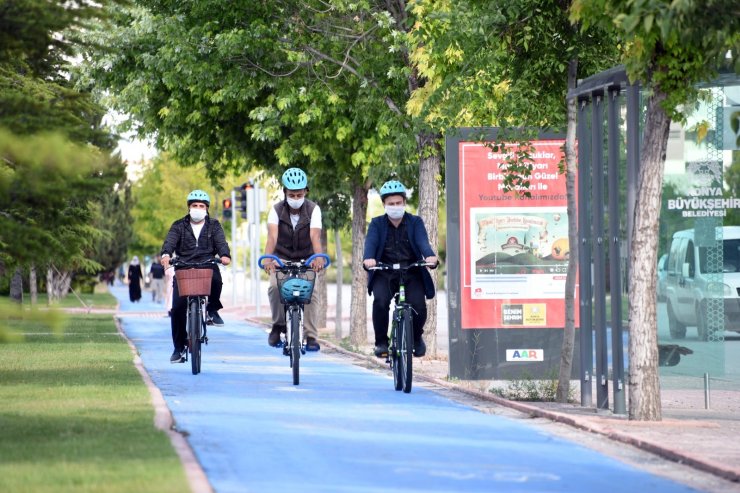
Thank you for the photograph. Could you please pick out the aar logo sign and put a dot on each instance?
(525, 355)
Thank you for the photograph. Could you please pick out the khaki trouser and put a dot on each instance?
(310, 311)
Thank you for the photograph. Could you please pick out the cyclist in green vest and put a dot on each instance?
(294, 233)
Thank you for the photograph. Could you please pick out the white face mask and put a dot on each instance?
(295, 203)
(198, 215)
(395, 211)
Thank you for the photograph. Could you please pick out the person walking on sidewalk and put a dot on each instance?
(195, 238)
(294, 233)
(135, 277)
(398, 237)
(156, 273)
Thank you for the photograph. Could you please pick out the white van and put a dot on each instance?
(687, 287)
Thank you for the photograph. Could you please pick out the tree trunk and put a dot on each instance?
(339, 267)
(571, 162)
(57, 286)
(644, 385)
(358, 303)
(16, 286)
(32, 287)
(429, 166)
(321, 286)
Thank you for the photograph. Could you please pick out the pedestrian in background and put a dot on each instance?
(156, 274)
(135, 276)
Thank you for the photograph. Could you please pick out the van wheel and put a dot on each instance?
(676, 328)
(702, 327)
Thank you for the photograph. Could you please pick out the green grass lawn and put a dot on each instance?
(95, 300)
(76, 416)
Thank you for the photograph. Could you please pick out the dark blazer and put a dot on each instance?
(418, 237)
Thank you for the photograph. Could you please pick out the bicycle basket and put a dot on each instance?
(194, 282)
(296, 288)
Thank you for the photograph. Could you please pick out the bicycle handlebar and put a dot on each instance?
(287, 263)
(177, 263)
(399, 267)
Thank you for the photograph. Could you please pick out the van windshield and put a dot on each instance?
(730, 260)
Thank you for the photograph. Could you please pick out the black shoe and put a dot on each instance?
(215, 319)
(381, 350)
(420, 348)
(178, 356)
(274, 338)
(312, 344)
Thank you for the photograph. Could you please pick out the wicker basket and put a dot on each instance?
(194, 282)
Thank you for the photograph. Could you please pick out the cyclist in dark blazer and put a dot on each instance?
(195, 238)
(398, 237)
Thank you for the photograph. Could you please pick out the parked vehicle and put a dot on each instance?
(690, 282)
(662, 276)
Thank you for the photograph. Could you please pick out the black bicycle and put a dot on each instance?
(400, 352)
(295, 281)
(194, 281)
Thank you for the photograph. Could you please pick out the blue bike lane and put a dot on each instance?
(344, 428)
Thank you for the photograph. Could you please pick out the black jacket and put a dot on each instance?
(181, 241)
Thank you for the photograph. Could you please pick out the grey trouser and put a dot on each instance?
(310, 311)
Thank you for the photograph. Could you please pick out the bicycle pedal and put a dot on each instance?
(205, 341)
(285, 351)
(209, 321)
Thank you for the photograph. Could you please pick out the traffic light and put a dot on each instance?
(227, 209)
(241, 197)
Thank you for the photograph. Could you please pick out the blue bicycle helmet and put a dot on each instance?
(392, 187)
(296, 290)
(199, 196)
(295, 179)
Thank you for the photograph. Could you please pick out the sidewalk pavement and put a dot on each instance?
(688, 434)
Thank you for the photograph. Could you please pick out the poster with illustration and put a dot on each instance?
(514, 249)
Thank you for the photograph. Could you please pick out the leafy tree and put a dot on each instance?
(55, 149)
(212, 84)
(510, 66)
(671, 46)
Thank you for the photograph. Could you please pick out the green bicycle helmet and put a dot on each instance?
(295, 179)
(199, 196)
(296, 290)
(392, 187)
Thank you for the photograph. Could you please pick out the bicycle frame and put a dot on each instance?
(293, 346)
(195, 316)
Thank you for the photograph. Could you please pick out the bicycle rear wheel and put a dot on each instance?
(295, 344)
(406, 349)
(394, 353)
(195, 321)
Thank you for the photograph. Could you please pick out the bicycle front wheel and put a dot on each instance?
(394, 353)
(406, 348)
(195, 322)
(295, 344)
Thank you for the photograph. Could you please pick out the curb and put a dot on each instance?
(163, 420)
(704, 465)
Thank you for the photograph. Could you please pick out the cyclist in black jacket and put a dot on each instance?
(195, 238)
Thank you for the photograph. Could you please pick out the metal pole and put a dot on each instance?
(255, 246)
(706, 391)
(597, 214)
(233, 245)
(584, 257)
(615, 281)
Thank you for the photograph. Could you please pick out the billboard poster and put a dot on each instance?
(514, 249)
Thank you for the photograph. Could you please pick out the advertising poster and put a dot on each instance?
(514, 249)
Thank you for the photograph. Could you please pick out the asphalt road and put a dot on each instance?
(345, 429)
